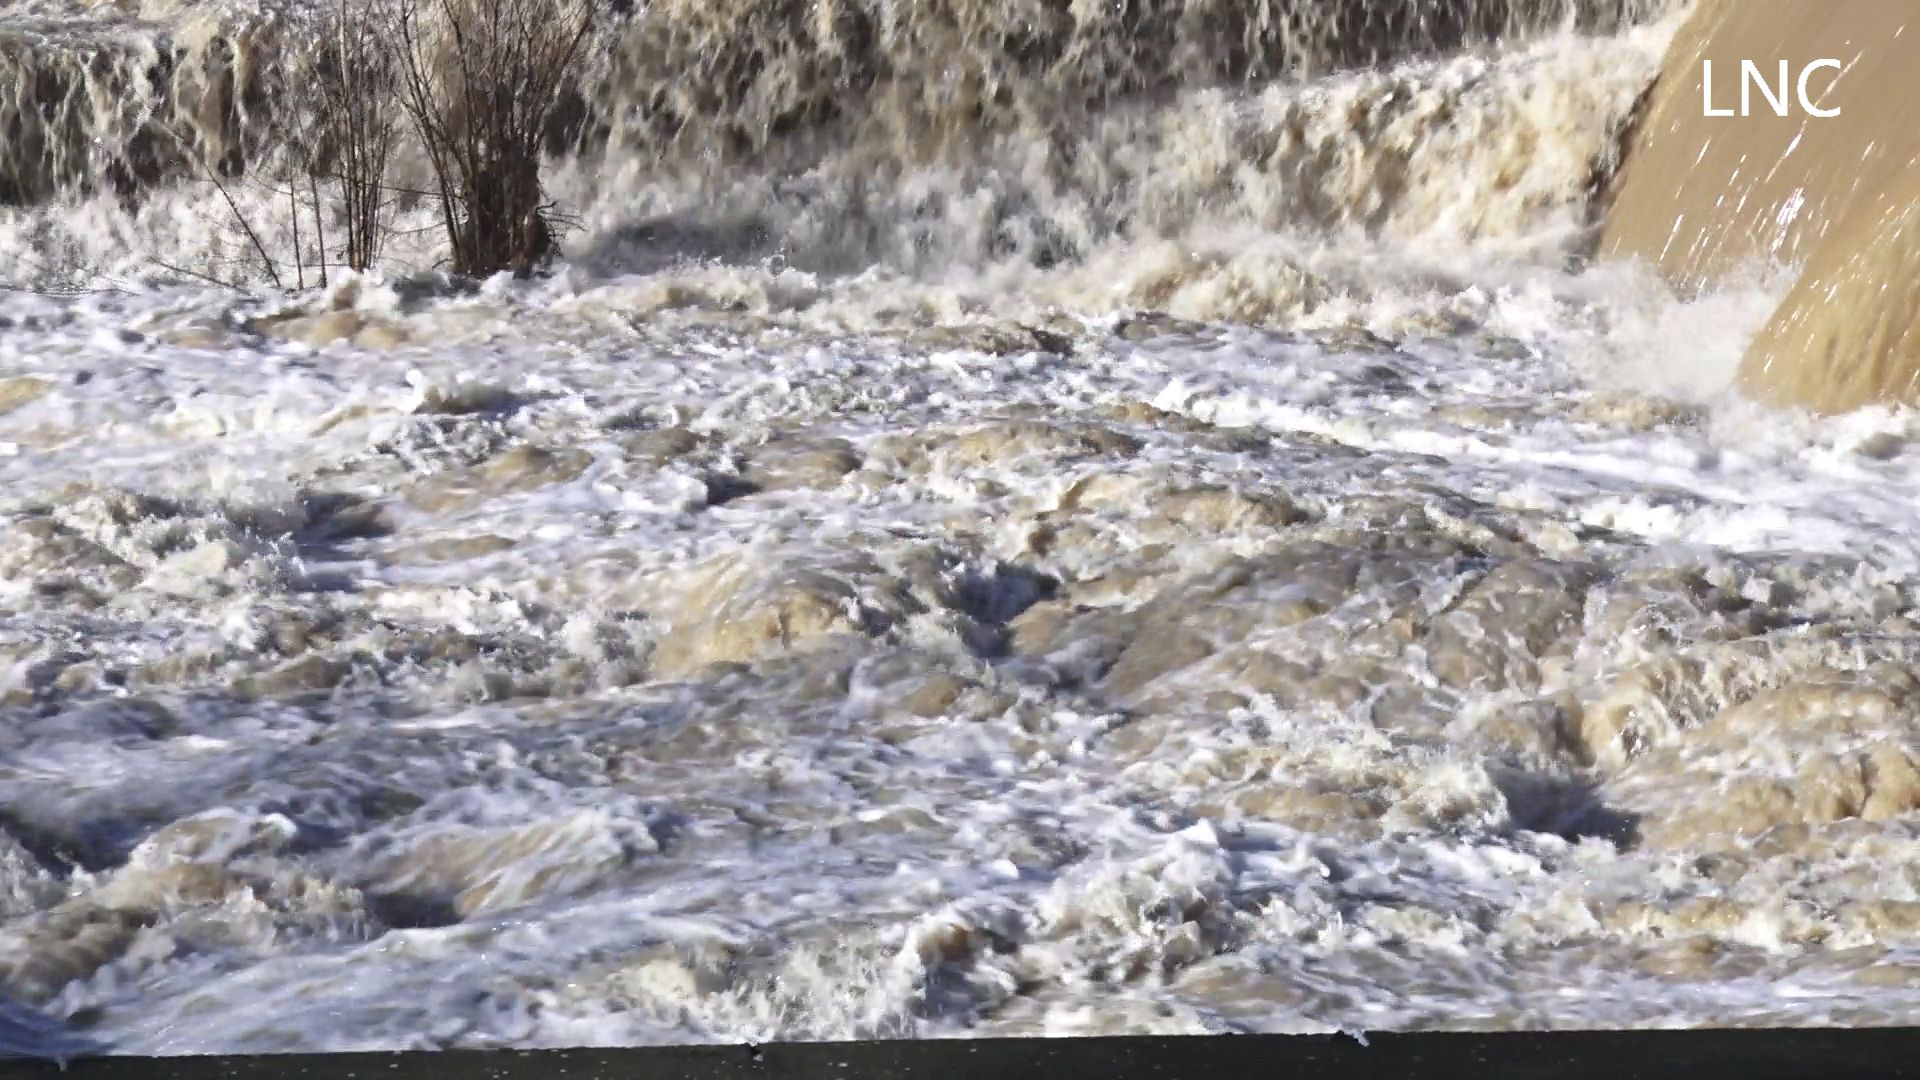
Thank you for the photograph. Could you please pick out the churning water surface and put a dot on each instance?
(1013, 518)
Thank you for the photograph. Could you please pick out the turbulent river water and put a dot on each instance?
(1011, 518)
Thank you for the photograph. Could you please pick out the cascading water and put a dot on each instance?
(862, 132)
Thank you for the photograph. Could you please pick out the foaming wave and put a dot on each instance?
(1208, 201)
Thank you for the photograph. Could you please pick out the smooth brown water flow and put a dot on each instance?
(1705, 197)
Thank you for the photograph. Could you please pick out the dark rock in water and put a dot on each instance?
(790, 464)
(1151, 325)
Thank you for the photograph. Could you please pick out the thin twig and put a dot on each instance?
(208, 278)
(273, 271)
(319, 236)
(299, 268)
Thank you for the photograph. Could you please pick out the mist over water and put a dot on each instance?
(1010, 518)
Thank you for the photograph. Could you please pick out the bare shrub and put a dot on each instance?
(479, 79)
(355, 116)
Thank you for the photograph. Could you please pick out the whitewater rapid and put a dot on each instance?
(699, 682)
(1144, 598)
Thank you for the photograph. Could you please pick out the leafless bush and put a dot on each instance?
(479, 79)
(356, 110)
(479, 82)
